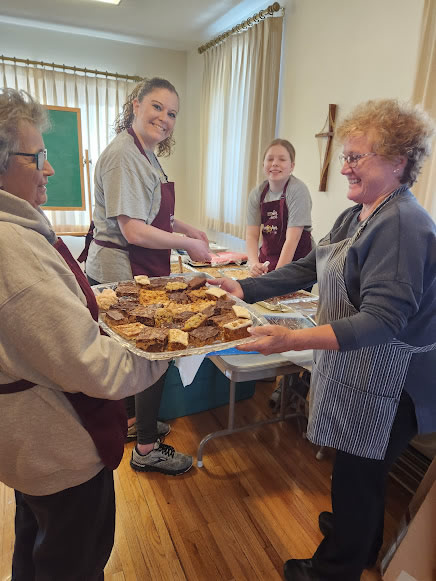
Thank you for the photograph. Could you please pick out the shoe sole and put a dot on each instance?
(138, 468)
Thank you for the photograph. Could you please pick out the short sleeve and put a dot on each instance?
(299, 204)
(253, 206)
(128, 183)
(129, 193)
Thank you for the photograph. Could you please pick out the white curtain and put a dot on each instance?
(239, 107)
(425, 95)
(99, 98)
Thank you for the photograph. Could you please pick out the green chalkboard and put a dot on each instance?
(63, 141)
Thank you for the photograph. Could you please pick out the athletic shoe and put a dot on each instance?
(162, 458)
(162, 431)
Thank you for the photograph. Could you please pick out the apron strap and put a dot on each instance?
(16, 386)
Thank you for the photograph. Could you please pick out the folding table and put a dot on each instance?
(249, 367)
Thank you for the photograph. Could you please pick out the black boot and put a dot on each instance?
(325, 523)
(300, 570)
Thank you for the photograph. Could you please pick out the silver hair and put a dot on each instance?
(15, 107)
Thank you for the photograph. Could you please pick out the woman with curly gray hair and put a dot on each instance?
(372, 385)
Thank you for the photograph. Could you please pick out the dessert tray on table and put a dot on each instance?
(221, 259)
(237, 273)
(299, 301)
(230, 270)
(217, 345)
(291, 321)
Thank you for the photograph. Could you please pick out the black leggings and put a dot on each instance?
(144, 406)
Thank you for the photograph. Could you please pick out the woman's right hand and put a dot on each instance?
(259, 268)
(229, 285)
(198, 250)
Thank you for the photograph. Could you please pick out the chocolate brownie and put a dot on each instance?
(152, 339)
(127, 289)
(179, 297)
(145, 314)
(125, 304)
(223, 305)
(114, 317)
(203, 336)
(196, 282)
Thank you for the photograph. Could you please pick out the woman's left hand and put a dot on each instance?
(270, 339)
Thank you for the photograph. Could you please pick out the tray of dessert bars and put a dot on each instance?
(174, 316)
(236, 273)
(291, 302)
(291, 321)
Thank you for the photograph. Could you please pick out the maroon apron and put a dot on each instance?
(104, 420)
(274, 217)
(149, 261)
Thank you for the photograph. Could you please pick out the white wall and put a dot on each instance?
(334, 52)
(344, 53)
(96, 53)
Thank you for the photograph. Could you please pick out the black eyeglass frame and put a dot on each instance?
(39, 157)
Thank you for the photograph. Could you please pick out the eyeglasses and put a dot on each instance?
(353, 159)
(39, 157)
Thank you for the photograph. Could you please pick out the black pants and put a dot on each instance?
(358, 501)
(144, 406)
(66, 536)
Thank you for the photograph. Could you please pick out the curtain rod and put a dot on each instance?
(69, 68)
(243, 26)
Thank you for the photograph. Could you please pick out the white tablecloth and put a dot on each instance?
(303, 358)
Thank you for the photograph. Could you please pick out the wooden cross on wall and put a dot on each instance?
(329, 134)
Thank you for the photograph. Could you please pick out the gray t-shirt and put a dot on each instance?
(298, 201)
(125, 183)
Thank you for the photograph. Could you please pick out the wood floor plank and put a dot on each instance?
(115, 576)
(253, 505)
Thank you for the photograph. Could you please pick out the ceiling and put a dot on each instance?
(173, 24)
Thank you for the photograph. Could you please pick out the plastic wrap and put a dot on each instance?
(292, 321)
(287, 303)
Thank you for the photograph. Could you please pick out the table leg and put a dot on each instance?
(232, 398)
(231, 422)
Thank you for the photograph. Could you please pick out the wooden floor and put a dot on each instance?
(253, 505)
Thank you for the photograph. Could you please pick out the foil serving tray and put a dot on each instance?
(257, 320)
(289, 303)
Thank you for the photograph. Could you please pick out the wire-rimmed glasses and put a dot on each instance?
(353, 158)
